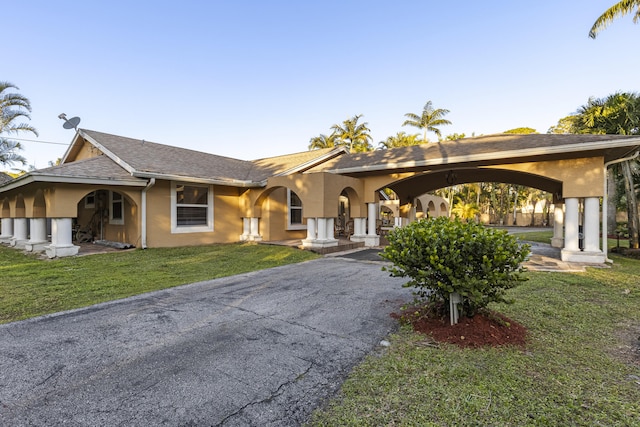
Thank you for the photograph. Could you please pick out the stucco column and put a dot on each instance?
(591, 224)
(397, 221)
(557, 241)
(254, 230)
(38, 237)
(372, 239)
(359, 229)
(20, 235)
(246, 229)
(311, 229)
(61, 239)
(6, 230)
(331, 228)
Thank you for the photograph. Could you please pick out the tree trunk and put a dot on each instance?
(632, 205)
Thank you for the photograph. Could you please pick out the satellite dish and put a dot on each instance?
(72, 123)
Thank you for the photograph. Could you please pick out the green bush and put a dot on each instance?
(443, 256)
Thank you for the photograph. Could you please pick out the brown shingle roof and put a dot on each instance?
(146, 157)
(149, 157)
(100, 167)
(497, 147)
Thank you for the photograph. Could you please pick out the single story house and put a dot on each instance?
(145, 194)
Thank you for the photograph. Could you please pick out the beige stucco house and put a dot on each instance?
(145, 194)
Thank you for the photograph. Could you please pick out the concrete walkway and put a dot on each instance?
(259, 349)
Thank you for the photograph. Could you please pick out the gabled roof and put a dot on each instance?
(499, 148)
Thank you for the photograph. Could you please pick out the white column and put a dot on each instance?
(38, 237)
(61, 239)
(319, 234)
(311, 229)
(571, 226)
(557, 241)
(6, 230)
(254, 233)
(359, 229)
(371, 218)
(372, 239)
(591, 224)
(322, 229)
(20, 236)
(397, 221)
(331, 228)
(246, 229)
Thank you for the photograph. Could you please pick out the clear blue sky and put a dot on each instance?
(251, 79)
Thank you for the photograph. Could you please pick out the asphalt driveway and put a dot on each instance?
(258, 349)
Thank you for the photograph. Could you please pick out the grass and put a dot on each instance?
(545, 237)
(581, 366)
(30, 286)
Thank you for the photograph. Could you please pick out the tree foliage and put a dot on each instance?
(429, 120)
(356, 136)
(401, 139)
(13, 107)
(521, 131)
(619, 9)
(442, 256)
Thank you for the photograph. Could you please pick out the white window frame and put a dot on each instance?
(290, 226)
(87, 204)
(175, 228)
(112, 220)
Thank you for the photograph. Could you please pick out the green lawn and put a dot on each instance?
(30, 286)
(545, 237)
(581, 366)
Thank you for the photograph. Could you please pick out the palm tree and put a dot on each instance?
(401, 139)
(465, 211)
(355, 136)
(322, 141)
(617, 10)
(12, 107)
(429, 120)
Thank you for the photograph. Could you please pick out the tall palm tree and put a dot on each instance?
(617, 10)
(429, 120)
(12, 107)
(401, 139)
(322, 141)
(355, 136)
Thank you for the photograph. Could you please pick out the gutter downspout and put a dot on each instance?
(143, 212)
(605, 200)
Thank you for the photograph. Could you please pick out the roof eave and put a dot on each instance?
(200, 180)
(30, 178)
(532, 152)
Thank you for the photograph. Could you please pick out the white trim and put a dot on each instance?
(29, 178)
(112, 220)
(199, 180)
(290, 225)
(175, 229)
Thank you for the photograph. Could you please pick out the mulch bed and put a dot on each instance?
(482, 330)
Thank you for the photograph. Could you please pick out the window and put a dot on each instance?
(90, 200)
(116, 213)
(294, 205)
(191, 208)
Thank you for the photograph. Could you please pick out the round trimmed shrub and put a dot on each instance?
(443, 256)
